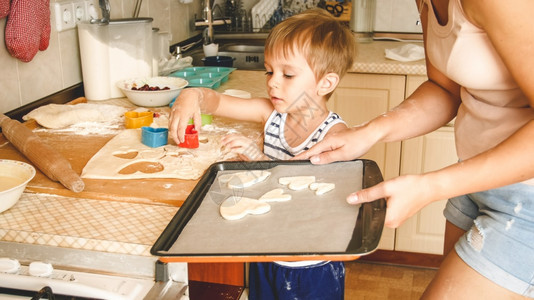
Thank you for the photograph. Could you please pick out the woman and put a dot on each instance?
(480, 62)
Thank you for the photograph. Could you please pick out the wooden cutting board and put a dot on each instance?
(78, 149)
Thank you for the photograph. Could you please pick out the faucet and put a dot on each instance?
(104, 5)
(208, 18)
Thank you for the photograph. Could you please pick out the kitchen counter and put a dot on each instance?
(371, 59)
(121, 227)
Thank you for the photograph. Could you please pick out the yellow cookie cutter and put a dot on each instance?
(138, 119)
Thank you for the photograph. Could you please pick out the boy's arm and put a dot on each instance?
(247, 149)
(193, 101)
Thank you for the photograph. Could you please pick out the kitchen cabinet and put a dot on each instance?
(358, 99)
(363, 96)
(424, 232)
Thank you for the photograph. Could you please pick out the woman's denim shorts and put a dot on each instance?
(499, 242)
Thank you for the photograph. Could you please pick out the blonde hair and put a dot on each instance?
(327, 45)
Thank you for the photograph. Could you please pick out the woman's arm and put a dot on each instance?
(511, 30)
(431, 106)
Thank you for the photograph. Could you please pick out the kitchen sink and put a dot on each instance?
(247, 56)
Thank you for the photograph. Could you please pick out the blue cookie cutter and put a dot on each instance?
(154, 137)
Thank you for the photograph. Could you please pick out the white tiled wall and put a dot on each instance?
(59, 67)
(396, 16)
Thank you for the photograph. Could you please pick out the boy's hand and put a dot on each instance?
(246, 148)
(185, 108)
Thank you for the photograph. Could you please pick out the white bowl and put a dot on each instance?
(14, 176)
(152, 98)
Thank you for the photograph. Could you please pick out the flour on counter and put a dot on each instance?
(88, 128)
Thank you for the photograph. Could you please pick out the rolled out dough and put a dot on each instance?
(119, 158)
(59, 116)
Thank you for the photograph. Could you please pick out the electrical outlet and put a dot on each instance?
(79, 11)
(68, 13)
(91, 11)
(64, 14)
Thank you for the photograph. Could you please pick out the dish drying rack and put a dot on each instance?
(262, 12)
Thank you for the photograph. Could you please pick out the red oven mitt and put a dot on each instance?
(27, 28)
(4, 8)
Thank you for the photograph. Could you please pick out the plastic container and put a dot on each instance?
(135, 119)
(114, 51)
(206, 119)
(154, 137)
(191, 138)
(208, 77)
(362, 19)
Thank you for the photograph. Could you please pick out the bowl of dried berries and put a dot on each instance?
(153, 91)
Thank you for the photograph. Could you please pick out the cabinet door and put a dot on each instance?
(424, 232)
(360, 98)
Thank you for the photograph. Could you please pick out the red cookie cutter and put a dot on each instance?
(190, 138)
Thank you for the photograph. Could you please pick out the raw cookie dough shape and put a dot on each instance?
(244, 179)
(321, 188)
(297, 183)
(234, 208)
(147, 167)
(276, 195)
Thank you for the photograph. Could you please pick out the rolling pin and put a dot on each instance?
(49, 161)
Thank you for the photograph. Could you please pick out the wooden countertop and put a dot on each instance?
(117, 216)
(78, 149)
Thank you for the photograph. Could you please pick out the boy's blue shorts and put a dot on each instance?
(499, 242)
(324, 281)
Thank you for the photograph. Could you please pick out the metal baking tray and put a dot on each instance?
(308, 227)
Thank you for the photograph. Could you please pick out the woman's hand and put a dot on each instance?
(185, 108)
(246, 148)
(405, 196)
(343, 145)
